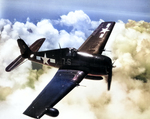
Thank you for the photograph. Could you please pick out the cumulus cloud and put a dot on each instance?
(129, 95)
(77, 19)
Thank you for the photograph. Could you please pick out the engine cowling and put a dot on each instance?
(52, 112)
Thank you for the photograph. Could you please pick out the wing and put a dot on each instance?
(61, 84)
(96, 42)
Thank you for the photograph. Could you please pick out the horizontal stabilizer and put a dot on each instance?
(36, 45)
(15, 63)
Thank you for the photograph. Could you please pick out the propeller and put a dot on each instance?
(113, 66)
(108, 78)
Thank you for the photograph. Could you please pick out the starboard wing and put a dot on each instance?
(96, 42)
(61, 84)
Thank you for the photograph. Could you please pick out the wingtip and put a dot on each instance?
(42, 39)
(7, 69)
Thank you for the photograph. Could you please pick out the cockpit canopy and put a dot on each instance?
(72, 52)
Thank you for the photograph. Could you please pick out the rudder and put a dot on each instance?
(24, 49)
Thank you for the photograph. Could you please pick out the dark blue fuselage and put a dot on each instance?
(94, 65)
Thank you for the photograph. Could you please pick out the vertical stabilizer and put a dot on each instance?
(24, 49)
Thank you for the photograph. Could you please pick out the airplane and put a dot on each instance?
(73, 66)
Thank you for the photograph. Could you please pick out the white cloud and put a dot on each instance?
(128, 98)
(75, 18)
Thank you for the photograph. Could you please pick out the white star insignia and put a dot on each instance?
(104, 30)
(45, 59)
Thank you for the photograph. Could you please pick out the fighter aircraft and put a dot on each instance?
(73, 65)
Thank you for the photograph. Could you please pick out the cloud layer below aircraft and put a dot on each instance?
(128, 97)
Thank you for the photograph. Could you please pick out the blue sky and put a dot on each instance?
(108, 10)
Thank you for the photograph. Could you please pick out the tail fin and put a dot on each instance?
(24, 49)
(25, 52)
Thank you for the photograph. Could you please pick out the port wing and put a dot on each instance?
(96, 42)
